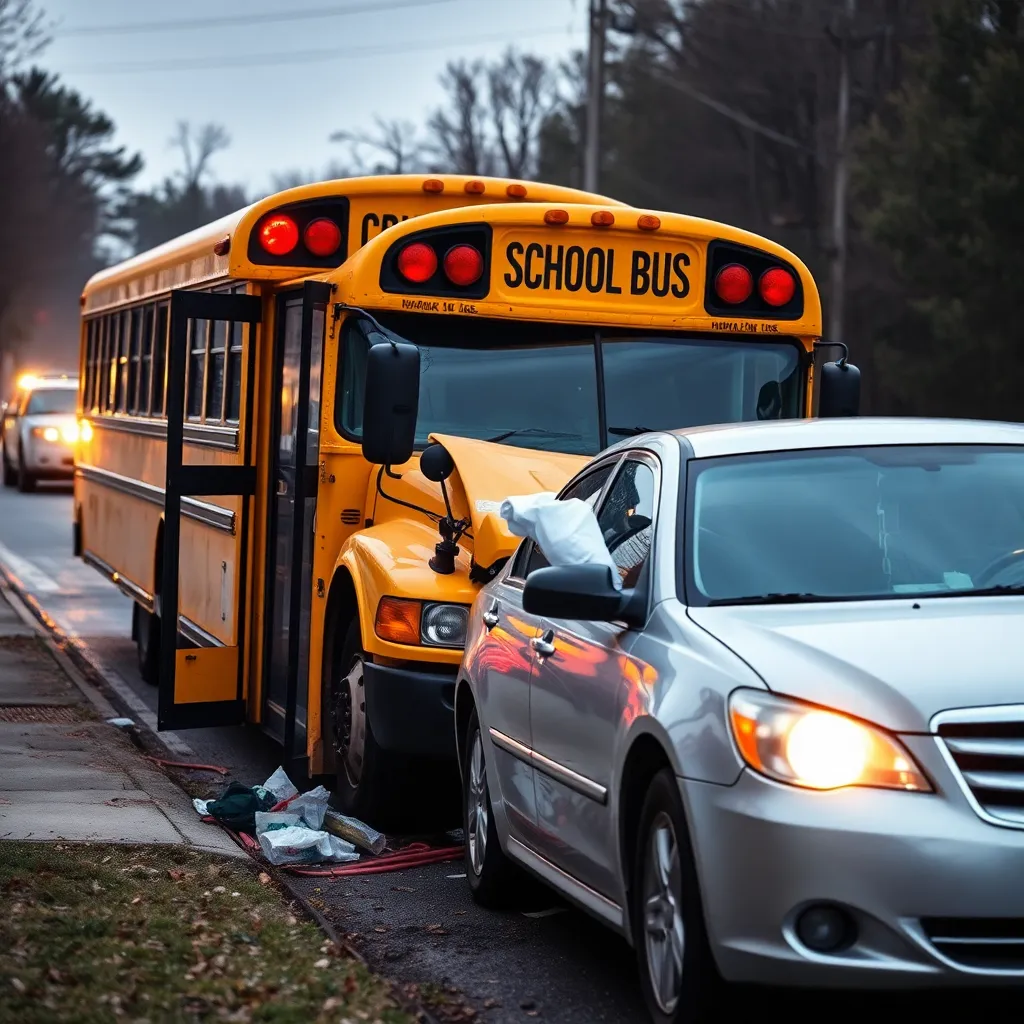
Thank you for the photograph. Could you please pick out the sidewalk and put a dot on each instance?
(65, 773)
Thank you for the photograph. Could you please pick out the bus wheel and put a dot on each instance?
(146, 633)
(381, 787)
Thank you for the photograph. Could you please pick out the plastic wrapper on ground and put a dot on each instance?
(280, 785)
(311, 806)
(297, 844)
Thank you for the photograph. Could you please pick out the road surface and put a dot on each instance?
(545, 962)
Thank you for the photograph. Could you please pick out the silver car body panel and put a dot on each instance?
(903, 864)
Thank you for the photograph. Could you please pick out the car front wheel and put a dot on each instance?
(677, 972)
(10, 474)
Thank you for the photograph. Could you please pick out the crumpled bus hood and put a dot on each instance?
(487, 473)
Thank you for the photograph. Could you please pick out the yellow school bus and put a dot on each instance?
(196, 380)
(455, 359)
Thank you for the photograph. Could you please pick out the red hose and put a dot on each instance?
(390, 862)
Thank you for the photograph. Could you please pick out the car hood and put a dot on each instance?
(896, 663)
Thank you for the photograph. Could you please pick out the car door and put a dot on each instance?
(578, 694)
(503, 665)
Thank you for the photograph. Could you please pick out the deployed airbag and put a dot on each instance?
(567, 531)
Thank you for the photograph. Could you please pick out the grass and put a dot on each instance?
(94, 933)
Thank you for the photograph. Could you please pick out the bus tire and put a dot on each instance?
(146, 633)
(384, 788)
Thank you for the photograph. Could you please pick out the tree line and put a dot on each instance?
(727, 109)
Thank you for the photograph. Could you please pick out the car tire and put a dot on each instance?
(26, 481)
(146, 633)
(384, 788)
(495, 881)
(677, 971)
(10, 474)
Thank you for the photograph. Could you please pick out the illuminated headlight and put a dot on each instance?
(51, 434)
(808, 746)
(444, 625)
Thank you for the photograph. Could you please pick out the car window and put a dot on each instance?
(51, 400)
(627, 519)
(588, 488)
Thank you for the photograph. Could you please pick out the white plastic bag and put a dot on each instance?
(566, 531)
(296, 844)
(311, 806)
(280, 785)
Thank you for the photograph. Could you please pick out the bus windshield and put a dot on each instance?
(536, 385)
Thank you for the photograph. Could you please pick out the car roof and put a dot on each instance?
(793, 435)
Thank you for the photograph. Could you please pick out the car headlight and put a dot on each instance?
(70, 433)
(808, 746)
(400, 620)
(51, 434)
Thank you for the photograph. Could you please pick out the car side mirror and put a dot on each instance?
(391, 402)
(586, 592)
(839, 394)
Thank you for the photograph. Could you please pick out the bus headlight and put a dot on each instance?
(808, 746)
(444, 625)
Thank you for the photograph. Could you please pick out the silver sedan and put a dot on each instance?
(790, 748)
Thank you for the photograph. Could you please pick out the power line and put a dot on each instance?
(219, 63)
(185, 24)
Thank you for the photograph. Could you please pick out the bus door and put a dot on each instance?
(201, 676)
(294, 475)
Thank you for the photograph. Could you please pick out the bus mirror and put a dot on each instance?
(391, 402)
(840, 389)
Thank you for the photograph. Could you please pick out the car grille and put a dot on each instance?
(986, 749)
(982, 943)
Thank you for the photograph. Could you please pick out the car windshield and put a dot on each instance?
(843, 524)
(43, 401)
(536, 385)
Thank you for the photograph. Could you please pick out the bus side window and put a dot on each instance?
(146, 361)
(234, 374)
(160, 361)
(196, 368)
(134, 358)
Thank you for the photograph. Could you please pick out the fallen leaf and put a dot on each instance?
(491, 1004)
(321, 964)
(380, 928)
(138, 899)
(436, 929)
(175, 874)
(19, 986)
(264, 878)
(105, 859)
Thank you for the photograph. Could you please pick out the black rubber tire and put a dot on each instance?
(701, 986)
(500, 884)
(146, 633)
(26, 481)
(10, 474)
(394, 791)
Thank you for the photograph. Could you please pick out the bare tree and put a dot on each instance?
(522, 94)
(197, 148)
(24, 32)
(294, 178)
(396, 141)
(461, 130)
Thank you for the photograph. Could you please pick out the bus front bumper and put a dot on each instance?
(411, 711)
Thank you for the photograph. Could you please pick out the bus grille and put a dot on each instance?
(985, 747)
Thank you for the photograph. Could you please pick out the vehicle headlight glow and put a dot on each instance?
(51, 434)
(804, 745)
(70, 433)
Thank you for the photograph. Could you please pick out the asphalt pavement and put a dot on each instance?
(544, 961)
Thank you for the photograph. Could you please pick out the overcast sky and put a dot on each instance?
(281, 75)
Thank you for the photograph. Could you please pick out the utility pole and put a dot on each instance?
(595, 94)
(841, 180)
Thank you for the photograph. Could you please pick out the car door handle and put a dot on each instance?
(490, 616)
(543, 644)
